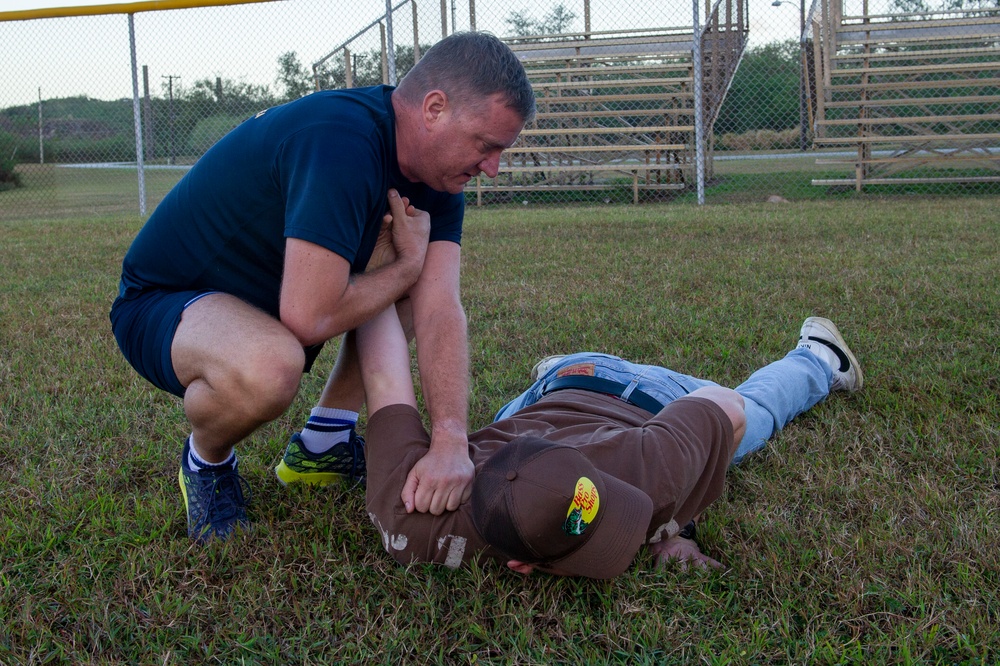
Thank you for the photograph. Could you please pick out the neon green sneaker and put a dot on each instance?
(344, 462)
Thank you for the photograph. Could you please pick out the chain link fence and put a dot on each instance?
(736, 100)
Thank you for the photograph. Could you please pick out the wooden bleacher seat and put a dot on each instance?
(613, 111)
(616, 108)
(914, 97)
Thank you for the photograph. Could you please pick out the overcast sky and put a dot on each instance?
(90, 55)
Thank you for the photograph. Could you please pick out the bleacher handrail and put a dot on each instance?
(355, 36)
(933, 15)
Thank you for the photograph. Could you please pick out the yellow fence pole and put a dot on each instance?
(123, 8)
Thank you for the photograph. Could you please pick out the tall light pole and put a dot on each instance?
(803, 73)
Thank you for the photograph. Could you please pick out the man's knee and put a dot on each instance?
(269, 380)
(257, 382)
(245, 359)
(730, 402)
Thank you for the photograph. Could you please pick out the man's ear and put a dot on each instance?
(520, 567)
(436, 103)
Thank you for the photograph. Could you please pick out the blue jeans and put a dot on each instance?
(774, 395)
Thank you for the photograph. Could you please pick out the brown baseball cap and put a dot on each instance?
(546, 504)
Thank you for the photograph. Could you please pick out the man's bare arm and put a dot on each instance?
(384, 355)
(320, 299)
(443, 478)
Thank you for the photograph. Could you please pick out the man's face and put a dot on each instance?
(466, 142)
(528, 569)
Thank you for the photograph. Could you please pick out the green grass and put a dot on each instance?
(51, 192)
(866, 533)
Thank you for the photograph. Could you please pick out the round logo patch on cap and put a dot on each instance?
(583, 508)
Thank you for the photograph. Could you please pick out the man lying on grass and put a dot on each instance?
(596, 459)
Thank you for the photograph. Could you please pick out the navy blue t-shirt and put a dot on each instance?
(317, 169)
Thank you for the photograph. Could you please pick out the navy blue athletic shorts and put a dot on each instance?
(144, 326)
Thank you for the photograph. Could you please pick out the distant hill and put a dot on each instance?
(70, 118)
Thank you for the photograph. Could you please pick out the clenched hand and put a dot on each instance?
(439, 482)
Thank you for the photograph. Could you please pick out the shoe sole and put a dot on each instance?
(184, 494)
(839, 339)
(287, 475)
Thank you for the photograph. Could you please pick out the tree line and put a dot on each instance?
(180, 126)
(183, 121)
(78, 129)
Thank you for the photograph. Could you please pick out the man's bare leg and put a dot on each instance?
(344, 388)
(383, 349)
(328, 449)
(241, 367)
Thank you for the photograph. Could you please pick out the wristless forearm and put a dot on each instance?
(444, 371)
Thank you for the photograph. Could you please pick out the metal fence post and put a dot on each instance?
(699, 114)
(41, 129)
(392, 45)
(137, 117)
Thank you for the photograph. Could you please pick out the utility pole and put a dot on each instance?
(147, 112)
(41, 126)
(170, 113)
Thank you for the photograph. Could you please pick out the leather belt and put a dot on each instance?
(608, 386)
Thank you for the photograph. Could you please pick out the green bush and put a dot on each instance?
(119, 148)
(9, 179)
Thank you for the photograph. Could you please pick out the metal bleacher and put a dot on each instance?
(616, 108)
(914, 98)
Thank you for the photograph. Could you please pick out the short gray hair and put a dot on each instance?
(471, 67)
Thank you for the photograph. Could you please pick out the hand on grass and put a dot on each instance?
(684, 551)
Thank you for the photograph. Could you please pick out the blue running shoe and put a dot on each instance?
(344, 462)
(215, 500)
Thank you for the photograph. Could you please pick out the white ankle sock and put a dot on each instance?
(196, 462)
(327, 427)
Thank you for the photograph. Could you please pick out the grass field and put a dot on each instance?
(64, 191)
(60, 192)
(867, 533)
